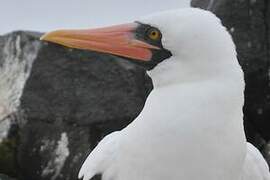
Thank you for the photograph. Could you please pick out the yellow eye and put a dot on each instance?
(154, 34)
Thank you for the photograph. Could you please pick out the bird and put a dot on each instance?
(191, 126)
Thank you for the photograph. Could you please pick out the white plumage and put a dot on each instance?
(191, 127)
(255, 167)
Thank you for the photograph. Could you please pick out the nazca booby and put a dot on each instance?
(191, 127)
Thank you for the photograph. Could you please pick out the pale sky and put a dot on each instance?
(46, 15)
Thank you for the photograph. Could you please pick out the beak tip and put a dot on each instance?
(48, 36)
(43, 37)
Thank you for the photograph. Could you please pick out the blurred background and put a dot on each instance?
(57, 103)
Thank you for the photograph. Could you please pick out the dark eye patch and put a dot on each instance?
(158, 55)
(142, 33)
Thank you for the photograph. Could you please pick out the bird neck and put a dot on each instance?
(175, 104)
(176, 84)
(175, 71)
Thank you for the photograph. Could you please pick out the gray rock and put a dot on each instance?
(249, 24)
(17, 53)
(5, 177)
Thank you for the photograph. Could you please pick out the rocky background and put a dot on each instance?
(57, 103)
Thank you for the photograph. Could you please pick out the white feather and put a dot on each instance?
(101, 158)
(255, 166)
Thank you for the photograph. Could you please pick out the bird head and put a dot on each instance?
(173, 46)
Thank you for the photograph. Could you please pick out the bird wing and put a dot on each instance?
(101, 158)
(255, 166)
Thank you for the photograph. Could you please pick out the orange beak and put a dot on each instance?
(117, 40)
